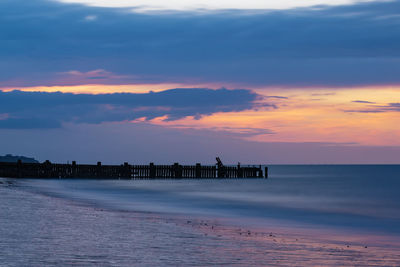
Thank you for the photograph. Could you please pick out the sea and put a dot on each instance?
(302, 215)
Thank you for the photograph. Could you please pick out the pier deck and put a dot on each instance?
(127, 171)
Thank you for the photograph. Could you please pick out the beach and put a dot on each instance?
(103, 223)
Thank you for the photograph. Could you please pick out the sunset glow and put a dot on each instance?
(333, 117)
(293, 75)
(349, 116)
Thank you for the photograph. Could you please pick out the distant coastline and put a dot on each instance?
(11, 158)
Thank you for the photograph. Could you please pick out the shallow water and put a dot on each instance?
(323, 215)
(354, 197)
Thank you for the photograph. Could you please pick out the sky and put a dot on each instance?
(263, 82)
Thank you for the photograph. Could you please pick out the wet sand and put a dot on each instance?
(305, 247)
(40, 230)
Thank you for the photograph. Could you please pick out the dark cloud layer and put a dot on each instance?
(24, 110)
(345, 45)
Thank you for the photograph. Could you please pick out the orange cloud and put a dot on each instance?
(311, 116)
(302, 115)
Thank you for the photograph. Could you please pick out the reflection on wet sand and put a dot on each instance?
(39, 230)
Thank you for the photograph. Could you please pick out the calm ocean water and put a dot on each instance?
(357, 199)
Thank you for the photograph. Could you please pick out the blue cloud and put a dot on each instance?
(363, 102)
(27, 110)
(345, 45)
(372, 108)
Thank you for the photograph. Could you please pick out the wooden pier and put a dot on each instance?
(127, 171)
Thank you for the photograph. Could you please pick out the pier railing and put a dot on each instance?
(127, 171)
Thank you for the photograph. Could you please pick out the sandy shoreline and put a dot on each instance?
(92, 235)
(302, 248)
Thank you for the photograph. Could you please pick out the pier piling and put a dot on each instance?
(126, 171)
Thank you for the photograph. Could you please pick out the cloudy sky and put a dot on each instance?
(295, 81)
